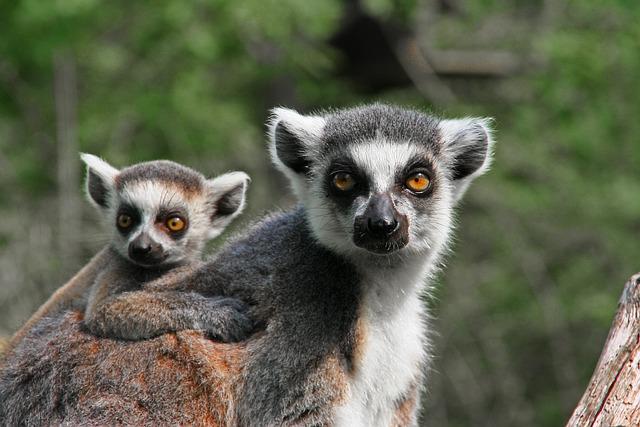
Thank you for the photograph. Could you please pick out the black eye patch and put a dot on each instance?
(131, 212)
(345, 166)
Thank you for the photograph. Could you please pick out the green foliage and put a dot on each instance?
(546, 239)
(552, 228)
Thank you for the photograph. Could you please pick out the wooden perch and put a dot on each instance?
(613, 395)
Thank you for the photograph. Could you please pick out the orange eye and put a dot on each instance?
(417, 182)
(175, 223)
(343, 181)
(124, 221)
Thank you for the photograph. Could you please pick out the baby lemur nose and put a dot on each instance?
(144, 249)
(381, 216)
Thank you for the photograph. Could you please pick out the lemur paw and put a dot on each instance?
(228, 320)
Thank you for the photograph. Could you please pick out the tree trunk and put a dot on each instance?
(65, 94)
(613, 395)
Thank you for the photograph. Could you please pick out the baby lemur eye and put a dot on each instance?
(175, 223)
(417, 182)
(124, 221)
(343, 181)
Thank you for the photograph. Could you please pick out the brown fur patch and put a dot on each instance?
(360, 339)
(218, 369)
(332, 372)
(4, 344)
(188, 180)
(74, 288)
(405, 413)
(175, 379)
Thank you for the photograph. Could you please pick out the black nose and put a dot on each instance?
(144, 250)
(381, 216)
(382, 226)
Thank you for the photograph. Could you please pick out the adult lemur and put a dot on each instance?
(336, 284)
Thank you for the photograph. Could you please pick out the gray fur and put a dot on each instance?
(360, 124)
(97, 189)
(306, 280)
(162, 171)
(117, 306)
(129, 311)
(304, 298)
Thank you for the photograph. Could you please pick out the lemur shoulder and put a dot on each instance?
(335, 282)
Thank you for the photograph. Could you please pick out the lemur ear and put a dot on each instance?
(100, 179)
(468, 147)
(226, 195)
(293, 138)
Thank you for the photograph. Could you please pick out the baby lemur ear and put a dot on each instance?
(226, 196)
(100, 180)
(293, 138)
(468, 145)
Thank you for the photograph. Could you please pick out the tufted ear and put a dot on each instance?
(226, 196)
(100, 180)
(292, 138)
(468, 145)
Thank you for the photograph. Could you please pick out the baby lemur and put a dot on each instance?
(162, 214)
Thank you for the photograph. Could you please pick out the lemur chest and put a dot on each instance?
(388, 361)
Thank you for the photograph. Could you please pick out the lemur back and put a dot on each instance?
(73, 292)
(333, 285)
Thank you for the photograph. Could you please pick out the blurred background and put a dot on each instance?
(545, 242)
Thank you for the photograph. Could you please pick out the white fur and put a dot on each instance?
(381, 160)
(395, 349)
(308, 128)
(220, 186)
(101, 168)
(147, 197)
(395, 336)
(457, 135)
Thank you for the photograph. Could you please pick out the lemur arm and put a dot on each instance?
(71, 291)
(202, 278)
(118, 307)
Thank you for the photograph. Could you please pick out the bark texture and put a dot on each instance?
(613, 395)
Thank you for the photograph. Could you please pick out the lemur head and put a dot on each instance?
(379, 179)
(163, 212)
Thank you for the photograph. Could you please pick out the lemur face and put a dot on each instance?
(161, 212)
(378, 179)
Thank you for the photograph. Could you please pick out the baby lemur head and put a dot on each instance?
(162, 213)
(379, 179)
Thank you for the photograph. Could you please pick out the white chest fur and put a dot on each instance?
(393, 352)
